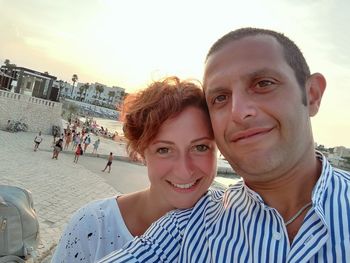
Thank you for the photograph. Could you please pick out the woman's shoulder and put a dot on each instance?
(94, 230)
(89, 213)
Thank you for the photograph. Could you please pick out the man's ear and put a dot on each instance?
(315, 86)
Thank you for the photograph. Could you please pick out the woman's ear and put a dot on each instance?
(315, 87)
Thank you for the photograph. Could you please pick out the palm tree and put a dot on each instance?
(86, 86)
(99, 89)
(74, 79)
(72, 108)
(8, 71)
(111, 94)
(81, 89)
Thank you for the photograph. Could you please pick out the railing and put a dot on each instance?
(22, 97)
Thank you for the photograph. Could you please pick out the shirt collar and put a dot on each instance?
(317, 192)
(323, 181)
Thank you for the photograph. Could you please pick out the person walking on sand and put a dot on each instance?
(57, 149)
(109, 163)
(76, 140)
(78, 152)
(68, 139)
(96, 144)
(37, 140)
(87, 142)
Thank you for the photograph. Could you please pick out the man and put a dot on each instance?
(292, 206)
(37, 140)
(109, 163)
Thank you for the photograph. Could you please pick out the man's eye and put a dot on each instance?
(264, 83)
(163, 150)
(201, 148)
(220, 99)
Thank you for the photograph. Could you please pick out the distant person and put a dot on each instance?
(181, 166)
(57, 148)
(96, 145)
(8, 125)
(87, 142)
(292, 205)
(109, 163)
(78, 152)
(37, 140)
(68, 139)
(55, 134)
(76, 140)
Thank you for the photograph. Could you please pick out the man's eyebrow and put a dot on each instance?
(212, 91)
(262, 72)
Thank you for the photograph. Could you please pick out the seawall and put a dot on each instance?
(38, 114)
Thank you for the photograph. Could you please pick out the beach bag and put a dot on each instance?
(19, 225)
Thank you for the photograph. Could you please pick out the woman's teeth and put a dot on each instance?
(184, 186)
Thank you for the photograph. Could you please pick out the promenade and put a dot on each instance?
(60, 187)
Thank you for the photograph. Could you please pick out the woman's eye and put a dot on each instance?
(163, 150)
(220, 98)
(201, 148)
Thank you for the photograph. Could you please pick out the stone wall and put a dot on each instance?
(38, 114)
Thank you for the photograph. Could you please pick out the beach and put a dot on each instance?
(60, 187)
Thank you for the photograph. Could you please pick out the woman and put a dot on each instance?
(68, 139)
(96, 144)
(57, 149)
(168, 126)
(78, 152)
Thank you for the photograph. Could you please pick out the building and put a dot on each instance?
(29, 82)
(341, 151)
(99, 94)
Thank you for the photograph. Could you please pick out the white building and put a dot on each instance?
(341, 151)
(98, 93)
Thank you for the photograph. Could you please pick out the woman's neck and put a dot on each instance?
(139, 210)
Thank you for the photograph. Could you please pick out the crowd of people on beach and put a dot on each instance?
(71, 140)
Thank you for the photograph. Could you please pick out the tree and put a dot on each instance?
(71, 108)
(8, 71)
(111, 94)
(8, 64)
(99, 89)
(86, 86)
(81, 89)
(74, 80)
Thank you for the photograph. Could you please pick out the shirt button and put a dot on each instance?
(277, 235)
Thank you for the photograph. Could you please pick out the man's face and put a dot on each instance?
(255, 104)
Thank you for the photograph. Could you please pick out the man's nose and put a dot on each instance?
(242, 107)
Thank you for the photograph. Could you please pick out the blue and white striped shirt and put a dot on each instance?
(237, 226)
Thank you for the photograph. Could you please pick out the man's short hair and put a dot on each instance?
(292, 54)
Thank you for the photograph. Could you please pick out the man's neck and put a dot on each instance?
(292, 190)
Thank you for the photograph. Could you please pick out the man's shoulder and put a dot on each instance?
(342, 175)
(213, 197)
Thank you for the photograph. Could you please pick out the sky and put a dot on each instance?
(130, 43)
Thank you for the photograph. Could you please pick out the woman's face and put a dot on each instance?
(181, 160)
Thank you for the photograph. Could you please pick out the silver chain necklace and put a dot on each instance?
(298, 214)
